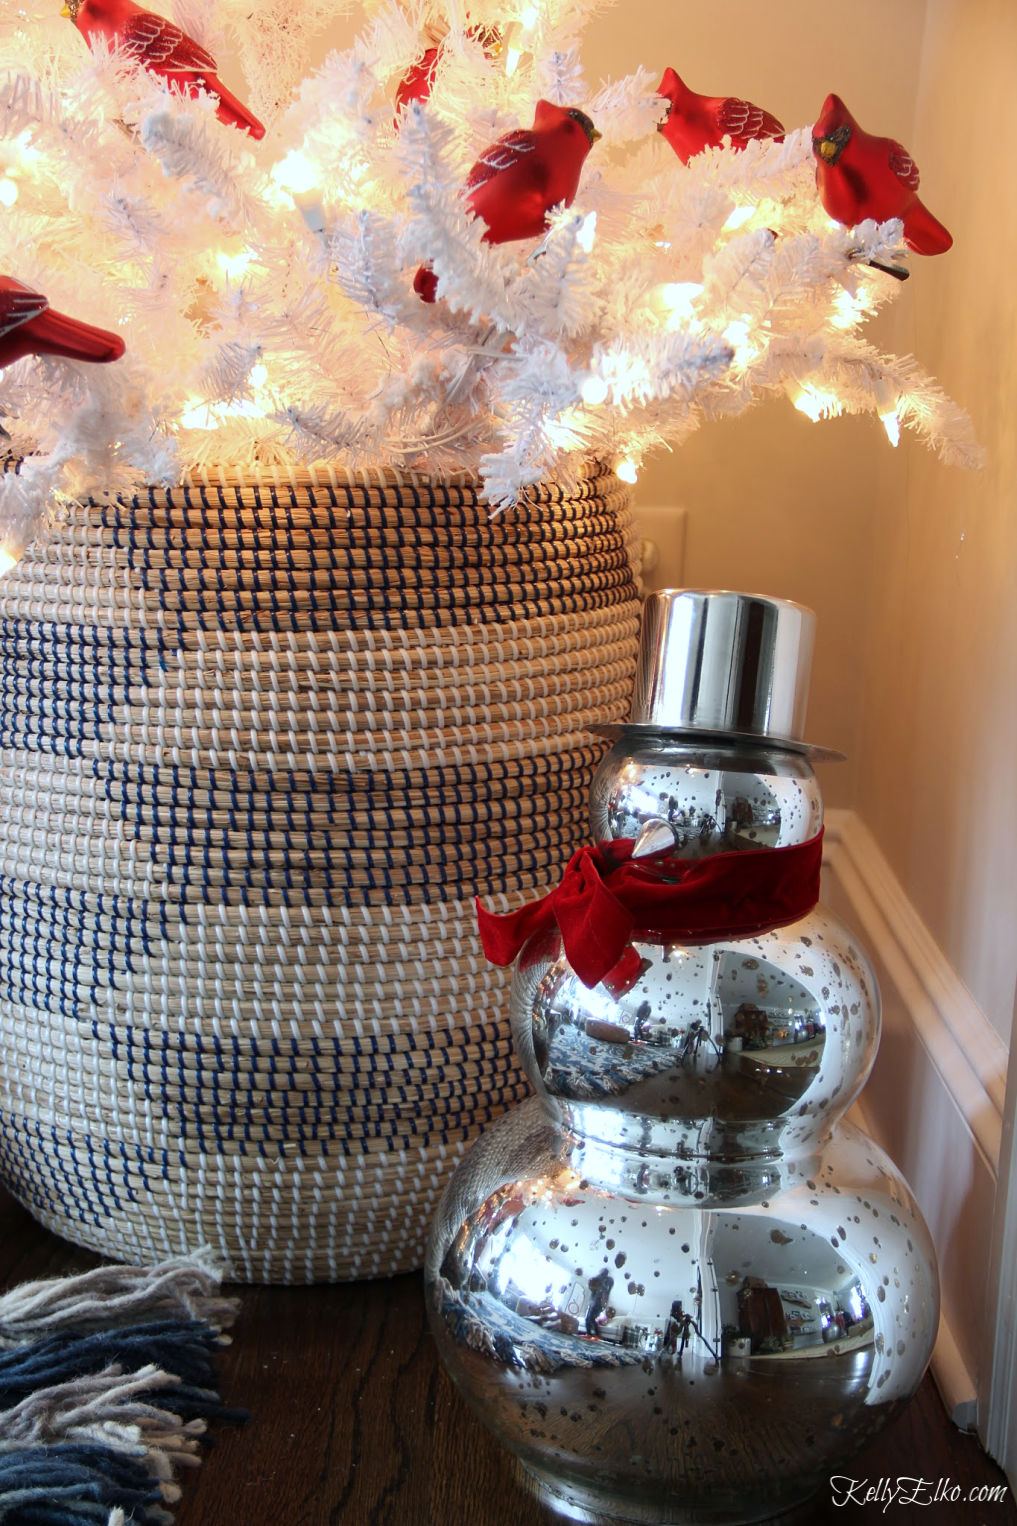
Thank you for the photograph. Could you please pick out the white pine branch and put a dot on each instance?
(649, 367)
(365, 258)
(560, 77)
(556, 294)
(322, 433)
(471, 274)
(226, 374)
(866, 379)
(628, 110)
(187, 141)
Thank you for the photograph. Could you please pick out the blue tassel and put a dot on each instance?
(73, 1484)
(181, 1347)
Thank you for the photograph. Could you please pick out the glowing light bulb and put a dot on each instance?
(8, 191)
(8, 559)
(561, 433)
(234, 266)
(678, 299)
(295, 173)
(297, 177)
(891, 423)
(626, 470)
(594, 391)
(848, 308)
(512, 57)
(587, 232)
(808, 403)
(679, 293)
(258, 375)
(817, 405)
(529, 18)
(738, 335)
(197, 415)
(738, 217)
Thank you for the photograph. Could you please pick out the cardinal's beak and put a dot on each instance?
(594, 135)
(830, 147)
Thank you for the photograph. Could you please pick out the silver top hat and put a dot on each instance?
(722, 665)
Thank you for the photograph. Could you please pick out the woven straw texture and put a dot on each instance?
(262, 743)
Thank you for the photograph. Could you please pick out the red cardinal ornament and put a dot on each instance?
(418, 80)
(29, 326)
(860, 176)
(416, 83)
(163, 49)
(695, 122)
(516, 182)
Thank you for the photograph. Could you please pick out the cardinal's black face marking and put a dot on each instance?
(585, 123)
(830, 148)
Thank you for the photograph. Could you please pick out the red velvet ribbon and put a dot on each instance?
(606, 897)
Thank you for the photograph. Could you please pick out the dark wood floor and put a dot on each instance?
(354, 1422)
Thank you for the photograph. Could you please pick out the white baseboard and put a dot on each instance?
(935, 1099)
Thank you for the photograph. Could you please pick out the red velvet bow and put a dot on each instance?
(606, 897)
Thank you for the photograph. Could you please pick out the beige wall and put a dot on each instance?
(937, 776)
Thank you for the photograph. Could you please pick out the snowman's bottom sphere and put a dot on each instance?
(663, 1362)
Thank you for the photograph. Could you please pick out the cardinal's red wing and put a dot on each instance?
(157, 43)
(903, 166)
(741, 119)
(501, 156)
(18, 305)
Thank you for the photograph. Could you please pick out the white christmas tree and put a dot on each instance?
(264, 289)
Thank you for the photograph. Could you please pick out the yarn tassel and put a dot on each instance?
(182, 1349)
(186, 1287)
(107, 1382)
(75, 1486)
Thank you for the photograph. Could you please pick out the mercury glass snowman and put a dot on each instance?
(675, 1283)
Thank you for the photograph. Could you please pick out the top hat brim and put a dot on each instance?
(693, 735)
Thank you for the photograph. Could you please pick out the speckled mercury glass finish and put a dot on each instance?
(676, 1285)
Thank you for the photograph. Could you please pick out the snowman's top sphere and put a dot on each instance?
(723, 665)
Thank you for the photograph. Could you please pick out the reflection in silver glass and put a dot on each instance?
(719, 661)
(688, 1343)
(674, 1283)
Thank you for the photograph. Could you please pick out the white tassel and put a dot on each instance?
(186, 1287)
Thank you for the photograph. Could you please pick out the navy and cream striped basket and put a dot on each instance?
(263, 741)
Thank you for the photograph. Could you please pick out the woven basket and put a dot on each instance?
(262, 743)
